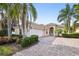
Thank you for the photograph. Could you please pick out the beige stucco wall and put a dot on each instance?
(47, 28)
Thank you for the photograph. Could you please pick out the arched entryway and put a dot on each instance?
(51, 31)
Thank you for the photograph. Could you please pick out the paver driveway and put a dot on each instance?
(46, 48)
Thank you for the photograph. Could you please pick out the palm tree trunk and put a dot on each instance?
(68, 24)
(9, 28)
(30, 24)
(65, 26)
(30, 21)
(19, 25)
(23, 26)
(23, 22)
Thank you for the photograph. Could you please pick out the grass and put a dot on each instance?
(6, 50)
(9, 49)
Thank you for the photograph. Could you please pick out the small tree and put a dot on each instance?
(59, 31)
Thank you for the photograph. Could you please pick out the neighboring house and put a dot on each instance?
(40, 29)
(77, 27)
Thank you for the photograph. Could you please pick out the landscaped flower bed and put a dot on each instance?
(11, 48)
(4, 40)
(14, 38)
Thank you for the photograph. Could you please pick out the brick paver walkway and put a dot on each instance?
(46, 48)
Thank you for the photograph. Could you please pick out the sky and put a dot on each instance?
(48, 12)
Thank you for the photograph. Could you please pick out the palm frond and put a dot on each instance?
(33, 12)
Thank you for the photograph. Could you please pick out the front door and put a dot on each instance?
(51, 31)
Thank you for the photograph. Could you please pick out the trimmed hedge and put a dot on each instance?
(33, 39)
(27, 41)
(71, 35)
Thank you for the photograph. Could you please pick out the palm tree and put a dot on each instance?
(30, 11)
(21, 12)
(17, 11)
(76, 8)
(33, 14)
(6, 8)
(66, 15)
(24, 12)
(10, 14)
(76, 15)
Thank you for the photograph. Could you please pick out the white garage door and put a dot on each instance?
(35, 32)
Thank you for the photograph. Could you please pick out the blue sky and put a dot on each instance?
(48, 12)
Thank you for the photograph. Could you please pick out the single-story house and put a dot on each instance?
(40, 29)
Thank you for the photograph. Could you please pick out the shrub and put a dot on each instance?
(71, 35)
(6, 51)
(34, 39)
(3, 32)
(14, 35)
(25, 42)
(58, 32)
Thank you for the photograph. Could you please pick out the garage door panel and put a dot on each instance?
(35, 32)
